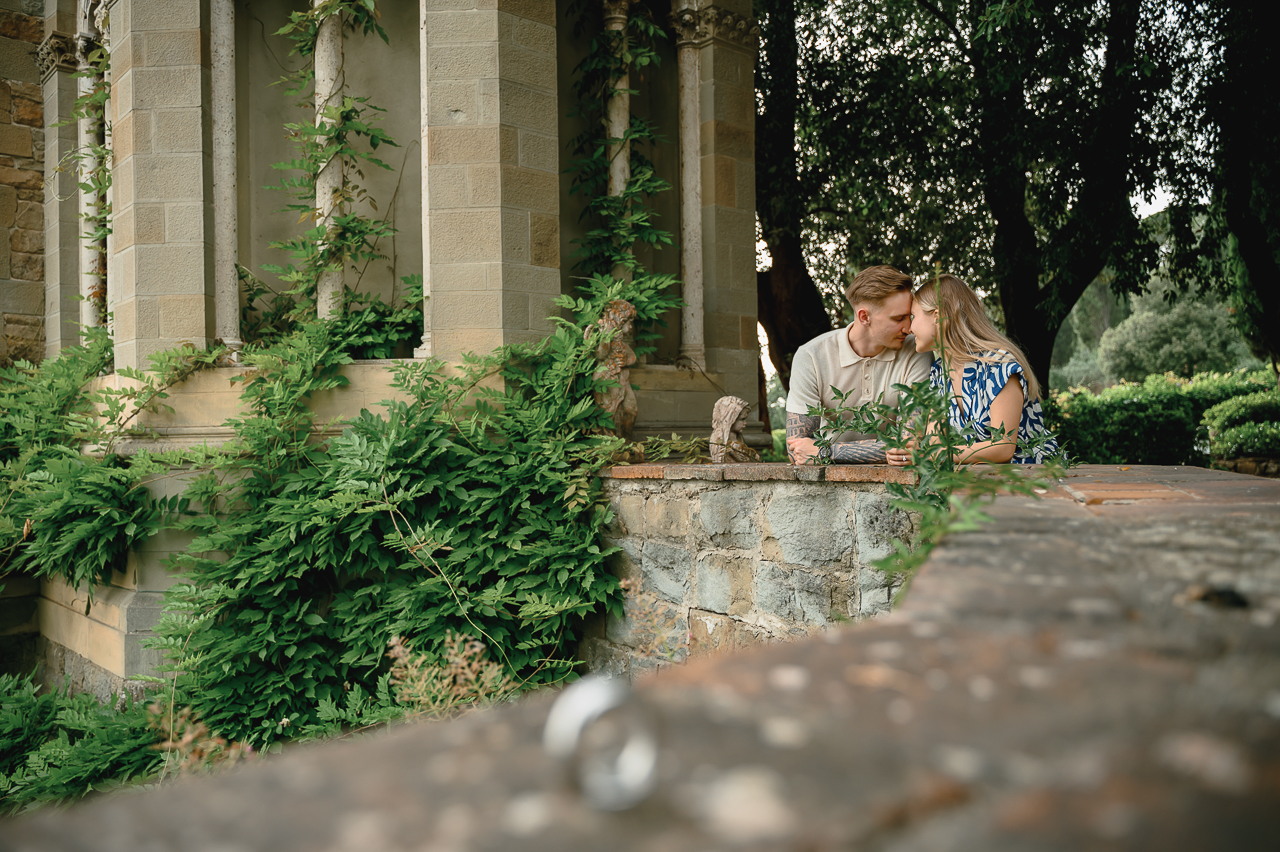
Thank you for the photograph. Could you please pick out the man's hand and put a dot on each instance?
(800, 430)
(801, 450)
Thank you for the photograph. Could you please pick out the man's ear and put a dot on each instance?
(862, 314)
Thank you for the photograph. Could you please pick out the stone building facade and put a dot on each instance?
(480, 96)
(22, 313)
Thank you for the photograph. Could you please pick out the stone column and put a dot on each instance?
(222, 43)
(160, 272)
(493, 165)
(728, 110)
(424, 349)
(93, 269)
(690, 33)
(618, 113)
(57, 60)
(328, 92)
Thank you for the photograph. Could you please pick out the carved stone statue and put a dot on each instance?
(615, 356)
(728, 419)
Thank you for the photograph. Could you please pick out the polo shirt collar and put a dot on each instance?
(848, 357)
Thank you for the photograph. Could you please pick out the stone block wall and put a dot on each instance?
(493, 164)
(723, 556)
(21, 186)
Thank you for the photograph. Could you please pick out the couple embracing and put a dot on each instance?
(895, 338)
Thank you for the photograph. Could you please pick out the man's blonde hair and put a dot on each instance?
(874, 284)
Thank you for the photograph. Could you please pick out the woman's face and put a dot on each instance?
(740, 423)
(924, 325)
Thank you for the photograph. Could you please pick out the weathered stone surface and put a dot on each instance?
(629, 514)
(724, 583)
(728, 517)
(813, 596)
(774, 592)
(665, 569)
(711, 633)
(878, 525)
(811, 525)
(667, 516)
(707, 472)
(633, 471)
(1003, 708)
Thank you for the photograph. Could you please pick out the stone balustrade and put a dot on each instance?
(730, 555)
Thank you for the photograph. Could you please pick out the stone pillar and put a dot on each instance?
(492, 163)
(328, 92)
(424, 349)
(160, 271)
(57, 60)
(690, 33)
(93, 270)
(728, 110)
(618, 112)
(222, 43)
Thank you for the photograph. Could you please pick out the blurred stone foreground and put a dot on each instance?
(1096, 669)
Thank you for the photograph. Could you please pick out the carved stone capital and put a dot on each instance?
(711, 23)
(615, 13)
(85, 45)
(56, 53)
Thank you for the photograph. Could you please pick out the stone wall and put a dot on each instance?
(21, 180)
(726, 556)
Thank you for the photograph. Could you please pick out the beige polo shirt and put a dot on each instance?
(829, 360)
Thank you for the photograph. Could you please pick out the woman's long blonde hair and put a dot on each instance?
(967, 333)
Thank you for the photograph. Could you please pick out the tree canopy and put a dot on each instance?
(1003, 142)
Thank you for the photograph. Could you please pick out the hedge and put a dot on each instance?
(1262, 407)
(1155, 422)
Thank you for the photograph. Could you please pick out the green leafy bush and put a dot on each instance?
(1262, 407)
(1156, 422)
(1192, 336)
(468, 509)
(1251, 439)
(58, 747)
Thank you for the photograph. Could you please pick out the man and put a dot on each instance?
(868, 357)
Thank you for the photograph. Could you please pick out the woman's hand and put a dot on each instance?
(900, 456)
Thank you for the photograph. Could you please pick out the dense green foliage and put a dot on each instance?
(1188, 337)
(1251, 439)
(465, 508)
(1245, 426)
(63, 512)
(469, 508)
(1003, 141)
(57, 747)
(1156, 422)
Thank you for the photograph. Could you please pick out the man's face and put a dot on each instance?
(890, 321)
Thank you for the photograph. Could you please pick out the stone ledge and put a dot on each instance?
(764, 472)
(1057, 679)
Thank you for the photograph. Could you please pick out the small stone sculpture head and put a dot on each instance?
(619, 314)
(728, 419)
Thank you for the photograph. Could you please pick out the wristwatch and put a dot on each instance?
(824, 454)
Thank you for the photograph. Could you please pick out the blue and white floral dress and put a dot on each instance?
(981, 382)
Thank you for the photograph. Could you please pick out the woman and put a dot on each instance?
(978, 377)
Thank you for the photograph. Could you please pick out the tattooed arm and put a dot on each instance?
(801, 446)
(800, 443)
(859, 452)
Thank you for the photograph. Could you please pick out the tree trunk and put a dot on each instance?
(1249, 180)
(1040, 280)
(789, 304)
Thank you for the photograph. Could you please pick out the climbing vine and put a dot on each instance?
(465, 518)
